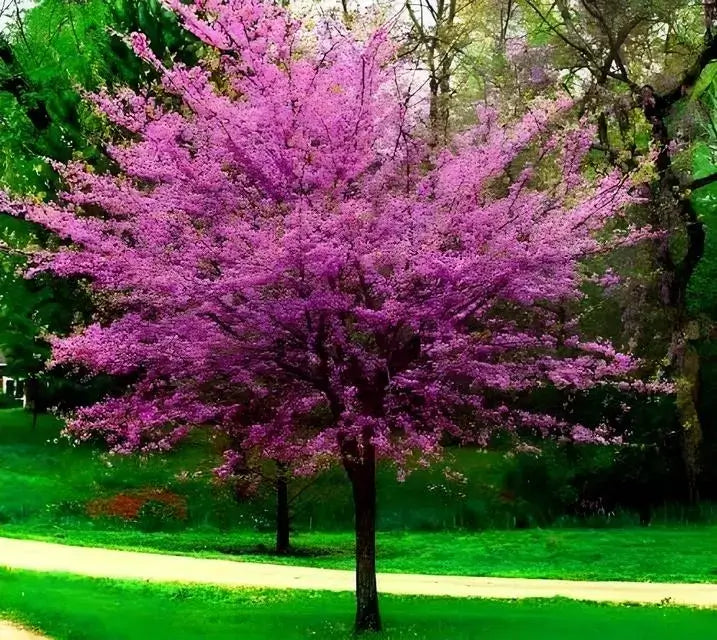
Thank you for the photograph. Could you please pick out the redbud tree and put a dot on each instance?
(276, 234)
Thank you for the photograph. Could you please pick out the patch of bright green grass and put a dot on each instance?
(68, 607)
(46, 480)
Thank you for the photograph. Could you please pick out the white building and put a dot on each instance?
(14, 387)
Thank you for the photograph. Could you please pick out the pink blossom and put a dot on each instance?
(277, 260)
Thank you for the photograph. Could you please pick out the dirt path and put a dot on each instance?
(43, 556)
(10, 631)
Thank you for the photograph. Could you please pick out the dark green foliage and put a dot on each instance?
(703, 285)
(158, 516)
(8, 401)
(59, 49)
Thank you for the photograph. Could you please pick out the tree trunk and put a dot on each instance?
(32, 388)
(687, 399)
(283, 519)
(362, 474)
(673, 203)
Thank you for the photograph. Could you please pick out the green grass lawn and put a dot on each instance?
(73, 608)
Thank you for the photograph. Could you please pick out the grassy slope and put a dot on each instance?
(75, 608)
(45, 482)
(42, 477)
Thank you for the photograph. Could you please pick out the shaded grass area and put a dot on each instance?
(69, 608)
(44, 481)
(659, 554)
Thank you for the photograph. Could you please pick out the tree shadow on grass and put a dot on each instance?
(270, 552)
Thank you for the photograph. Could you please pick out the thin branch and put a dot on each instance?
(705, 181)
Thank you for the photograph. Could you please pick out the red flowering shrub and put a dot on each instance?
(128, 506)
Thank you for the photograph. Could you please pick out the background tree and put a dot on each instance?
(605, 53)
(608, 52)
(460, 46)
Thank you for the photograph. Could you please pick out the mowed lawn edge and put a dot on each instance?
(65, 607)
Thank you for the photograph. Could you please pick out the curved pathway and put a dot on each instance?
(107, 563)
(10, 631)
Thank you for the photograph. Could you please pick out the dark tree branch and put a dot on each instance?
(705, 181)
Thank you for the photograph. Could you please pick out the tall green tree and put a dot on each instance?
(48, 56)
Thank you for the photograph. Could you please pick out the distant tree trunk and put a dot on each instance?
(32, 389)
(362, 474)
(683, 357)
(687, 398)
(283, 518)
(440, 49)
(645, 513)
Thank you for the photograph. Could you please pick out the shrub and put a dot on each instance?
(163, 505)
(69, 508)
(156, 515)
(8, 401)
